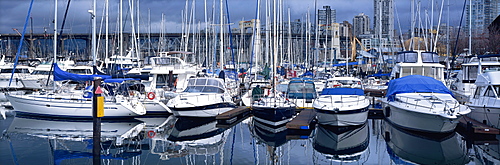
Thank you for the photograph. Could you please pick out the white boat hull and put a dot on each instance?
(43, 105)
(341, 110)
(414, 120)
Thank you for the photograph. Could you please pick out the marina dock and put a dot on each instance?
(475, 127)
(232, 117)
(303, 120)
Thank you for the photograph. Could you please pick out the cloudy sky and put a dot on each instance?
(13, 13)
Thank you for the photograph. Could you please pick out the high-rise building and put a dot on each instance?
(383, 14)
(326, 17)
(361, 24)
(482, 15)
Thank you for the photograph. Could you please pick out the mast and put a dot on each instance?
(221, 53)
(94, 43)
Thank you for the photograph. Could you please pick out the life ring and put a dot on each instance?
(151, 134)
(151, 95)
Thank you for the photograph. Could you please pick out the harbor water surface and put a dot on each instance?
(170, 140)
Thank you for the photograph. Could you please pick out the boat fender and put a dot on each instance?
(151, 134)
(387, 137)
(151, 95)
(387, 111)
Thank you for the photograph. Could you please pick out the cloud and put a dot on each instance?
(13, 13)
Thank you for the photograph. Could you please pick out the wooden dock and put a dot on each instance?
(476, 127)
(232, 117)
(303, 120)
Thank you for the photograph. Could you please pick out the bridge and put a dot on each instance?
(78, 45)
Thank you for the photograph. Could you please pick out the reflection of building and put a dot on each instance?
(361, 24)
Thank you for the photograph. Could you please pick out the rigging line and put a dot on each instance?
(64, 18)
(254, 29)
(230, 39)
(21, 42)
(458, 34)
(232, 147)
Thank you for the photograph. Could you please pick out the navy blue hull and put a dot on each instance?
(273, 114)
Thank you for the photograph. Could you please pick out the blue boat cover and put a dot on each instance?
(343, 91)
(415, 83)
(60, 75)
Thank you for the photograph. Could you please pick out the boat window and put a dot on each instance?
(478, 92)
(201, 82)
(79, 71)
(17, 71)
(40, 72)
(470, 73)
(430, 57)
(407, 57)
(162, 80)
(490, 92)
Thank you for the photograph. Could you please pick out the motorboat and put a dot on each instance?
(70, 102)
(203, 97)
(301, 92)
(169, 76)
(485, 102)
(342, 107)
(422, 103)
(463, 84)
(342, 144)
(410, 147)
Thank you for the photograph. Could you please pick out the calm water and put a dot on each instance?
(169, 140)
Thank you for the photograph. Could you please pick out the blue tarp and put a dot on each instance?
(415, 83)
(343, 91)
(351, 63)
(60, 75)
(379, 75)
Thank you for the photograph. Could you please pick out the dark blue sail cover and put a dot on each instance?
(60, 75)
(415, 83)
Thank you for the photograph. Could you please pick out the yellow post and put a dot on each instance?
(100, 106)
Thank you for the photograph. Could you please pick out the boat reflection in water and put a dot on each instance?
(406, 146)
(119, 139)
(191, 138)
(487, 153)
(342, 144)
(272, 137)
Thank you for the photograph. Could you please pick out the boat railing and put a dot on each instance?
(449, 105)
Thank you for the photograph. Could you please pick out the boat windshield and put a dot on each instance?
(205, 85)
(302, 91)
(407, 57)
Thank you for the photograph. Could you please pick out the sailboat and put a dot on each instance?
(75, 100)
(273, 109)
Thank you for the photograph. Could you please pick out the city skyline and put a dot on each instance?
(13, 13)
